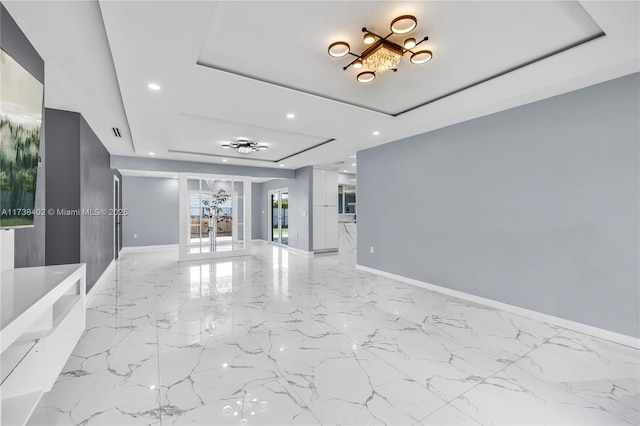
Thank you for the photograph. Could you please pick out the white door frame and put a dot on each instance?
(183, 217)
(117, 241)
(270, 216)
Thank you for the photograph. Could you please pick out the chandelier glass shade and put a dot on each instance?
(382, 57)
(244, 146)
(382, 54)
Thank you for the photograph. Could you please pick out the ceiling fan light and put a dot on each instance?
(366, 77)
(339, 49)
(403, 24)
(357, 64)
(410, 43)
(421, 57)
(368, 38)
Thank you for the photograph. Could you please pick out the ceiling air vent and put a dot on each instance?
(116, 132)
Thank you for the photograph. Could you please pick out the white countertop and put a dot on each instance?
(22, 288)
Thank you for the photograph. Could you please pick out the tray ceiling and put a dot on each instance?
(229, 69)
(205, 136)
(285, 43)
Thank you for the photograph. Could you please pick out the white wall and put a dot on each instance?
(6, 249)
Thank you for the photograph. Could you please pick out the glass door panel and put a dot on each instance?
(213, 215)
(284, 217)
(279, 217)
(275, 215)
(239, 208)
(195, 222)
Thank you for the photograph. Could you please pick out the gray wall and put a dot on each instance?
(62, 241)
(96, 192)
(29, 249)
(258, 227)
(153, 211)
(299, 200)
(78, 177)
(536, 206)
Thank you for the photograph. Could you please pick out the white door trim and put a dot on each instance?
(116, 230)
(279, 192)
(183, 217)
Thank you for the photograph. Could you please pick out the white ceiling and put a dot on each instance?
(262, 60)
(79, 72)
(207, 135)
(270, 42)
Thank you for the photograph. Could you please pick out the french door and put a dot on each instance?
(279, 216)
(215, 216)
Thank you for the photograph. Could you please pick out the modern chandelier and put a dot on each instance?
(244, 146)
(383, 54)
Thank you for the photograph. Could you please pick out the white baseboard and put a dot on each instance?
(148, 248)
(560, 322)
(327, 250)
(300, 251)
(100, 281)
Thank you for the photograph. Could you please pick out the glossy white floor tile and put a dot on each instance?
(278, 338)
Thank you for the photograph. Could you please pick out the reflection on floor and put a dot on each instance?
(204, 245)
(276, 239)
(277, 338)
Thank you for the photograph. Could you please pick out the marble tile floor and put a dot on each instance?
(277, 338)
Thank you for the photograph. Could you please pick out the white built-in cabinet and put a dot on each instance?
(325, 209)
(42, 319)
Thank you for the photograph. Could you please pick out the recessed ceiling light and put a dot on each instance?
(152, 153)
(346, 171)
(376, 133)
(291, 115)
(224, 160)
(354, 164)
(281, 165)
(153, 86)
